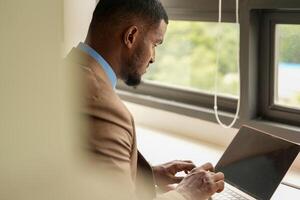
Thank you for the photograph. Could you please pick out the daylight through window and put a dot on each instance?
(187, 59)
(287, 65)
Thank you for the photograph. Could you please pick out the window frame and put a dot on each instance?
(268, 109)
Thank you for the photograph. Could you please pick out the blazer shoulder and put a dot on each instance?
(102, 101)
(98, 98)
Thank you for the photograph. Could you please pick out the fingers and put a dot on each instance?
(208, 167)
(178, 166)
(187, 161)
(201, 182)
(218, 176)
(220, 185)
(183, 166)
(205, 167)
(214, 182)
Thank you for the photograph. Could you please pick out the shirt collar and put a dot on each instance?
(107, 68)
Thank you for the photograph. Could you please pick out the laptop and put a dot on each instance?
(254, 164)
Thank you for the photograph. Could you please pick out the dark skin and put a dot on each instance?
(133, 47)
(165, 174)
(130, 49)
(201, 183)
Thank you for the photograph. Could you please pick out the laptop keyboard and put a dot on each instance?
(228, 194)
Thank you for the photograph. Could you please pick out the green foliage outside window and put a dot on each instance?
(288, 54)
(290, 47)
(187, 57)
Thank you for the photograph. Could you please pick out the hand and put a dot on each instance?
(165, 174)
(201, 183)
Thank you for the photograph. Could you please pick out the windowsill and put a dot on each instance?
(169, 119)
(202, 115)
(174, 147)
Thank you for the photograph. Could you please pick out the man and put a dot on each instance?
(121, 44)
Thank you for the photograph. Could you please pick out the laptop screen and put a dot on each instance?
(256, 162)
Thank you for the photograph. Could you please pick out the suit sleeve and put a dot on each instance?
(111, 149)
(112, 146)
(110, 139)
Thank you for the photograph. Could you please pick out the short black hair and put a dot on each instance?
(117, 11)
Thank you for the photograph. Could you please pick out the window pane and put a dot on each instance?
(187, 57)
(287, 67)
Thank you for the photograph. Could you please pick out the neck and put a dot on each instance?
(105, 49)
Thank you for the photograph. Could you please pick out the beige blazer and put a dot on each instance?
(112, 138)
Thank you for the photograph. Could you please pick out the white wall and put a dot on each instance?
(77, 17)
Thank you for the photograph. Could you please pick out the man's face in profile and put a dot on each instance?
(144, 53)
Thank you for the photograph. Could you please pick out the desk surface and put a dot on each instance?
(160, 147)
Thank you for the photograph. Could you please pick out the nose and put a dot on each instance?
(152, 60)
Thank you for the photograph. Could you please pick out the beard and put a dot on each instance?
(133, 79)
(131, 71)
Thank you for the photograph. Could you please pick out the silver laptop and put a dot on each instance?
(254, 164)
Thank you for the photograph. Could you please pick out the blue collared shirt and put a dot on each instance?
(107, 68)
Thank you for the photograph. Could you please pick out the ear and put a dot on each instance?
(130, 36)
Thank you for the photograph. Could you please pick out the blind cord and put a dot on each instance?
(217, 67)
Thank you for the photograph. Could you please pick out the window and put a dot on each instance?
(187, 59)
(287, 65)
(280, 67)
(182, 78)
